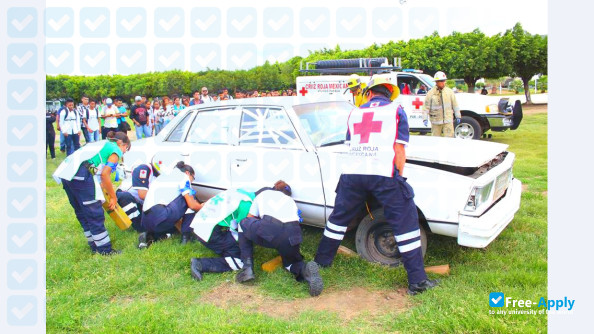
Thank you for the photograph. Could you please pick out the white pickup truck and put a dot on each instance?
(480, 113)
(464, 188)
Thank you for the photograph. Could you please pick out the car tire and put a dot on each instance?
(469, 128)
(375, 240)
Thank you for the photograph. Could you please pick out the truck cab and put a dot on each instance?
(480, 113)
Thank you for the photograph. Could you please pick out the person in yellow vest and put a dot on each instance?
(82, 175)
(441, 107)
(356, 87)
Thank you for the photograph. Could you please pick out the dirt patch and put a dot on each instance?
(347, 304)
(529, 109)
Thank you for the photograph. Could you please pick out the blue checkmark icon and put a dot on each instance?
(496, 299)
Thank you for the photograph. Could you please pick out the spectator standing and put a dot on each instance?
(109, 115)
(205, 97)
(50, 134)
(177, 106)
(196, 98)
(159, 115)
(151, 116)
(83, 111)
(92, 123)
(139, 115)
(186, 101)
(70, 127)
(122, 114)
(62, 143)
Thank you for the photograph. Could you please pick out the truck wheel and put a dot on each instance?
(469, 128)
(376, 243)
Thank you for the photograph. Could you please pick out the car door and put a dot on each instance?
(412, 102)
(270, 150)
(212, 135)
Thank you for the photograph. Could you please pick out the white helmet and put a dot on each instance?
(439, 76)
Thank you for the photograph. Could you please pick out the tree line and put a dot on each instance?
(469, 56)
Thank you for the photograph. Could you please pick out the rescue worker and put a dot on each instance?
(273, 222)
(378, 132)
(355, 86)
(441, 106)
(76, 173)
(223, 238)
(169, 199)
(132, 199)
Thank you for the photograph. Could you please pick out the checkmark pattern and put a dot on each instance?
(25, 60)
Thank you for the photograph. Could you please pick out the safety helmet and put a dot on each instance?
(381, 81)
(439, 76)
(156, 164)
(354, 81)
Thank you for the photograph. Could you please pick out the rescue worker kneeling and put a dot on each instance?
(222, 239)
(131, 196)
(169, 199)
(276, 226)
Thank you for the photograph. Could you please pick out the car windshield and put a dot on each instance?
(325, 122)
(428, 80)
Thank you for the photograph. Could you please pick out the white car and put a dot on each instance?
(464, 189)
(480, 113)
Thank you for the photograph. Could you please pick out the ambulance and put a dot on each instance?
(480, 113)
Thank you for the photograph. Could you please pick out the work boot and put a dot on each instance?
(187, 237)
(415, 289)
(311, 274)
(143, 240)
(196, 269)
(111, 252)
(246, 273)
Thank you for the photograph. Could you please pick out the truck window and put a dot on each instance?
(411, 85)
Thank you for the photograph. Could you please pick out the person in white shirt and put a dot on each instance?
(273, 222)
(205, 97)
(109, 114)
(70, 127)
(93, 121)
(159, 116)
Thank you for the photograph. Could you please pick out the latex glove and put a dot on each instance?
(426, 122)
(457, 121)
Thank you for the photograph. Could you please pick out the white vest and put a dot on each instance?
(373, 133)
(165, 188)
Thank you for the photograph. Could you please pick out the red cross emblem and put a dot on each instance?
(303, 91)
(417, 103)
(366, 127)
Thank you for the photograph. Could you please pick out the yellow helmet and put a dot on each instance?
(381, 81)
(354, 81)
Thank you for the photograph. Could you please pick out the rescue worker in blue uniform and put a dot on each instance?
(223, 239)
(132, 199)
(276, 226)
(378, 132)
(169, 199)
(76, 173)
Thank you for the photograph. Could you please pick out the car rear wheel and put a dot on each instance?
(376, 243)
(469, 128)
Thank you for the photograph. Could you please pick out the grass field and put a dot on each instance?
(152, 290)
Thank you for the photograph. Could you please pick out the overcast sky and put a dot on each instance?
(92, 38)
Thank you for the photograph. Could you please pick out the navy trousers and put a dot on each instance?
(162, 218)
(132, 208)
(396, 196)
(89, 212)
(221, 242)
(72, 143)
(271, 233)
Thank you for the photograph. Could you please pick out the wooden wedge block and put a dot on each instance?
(347, 252)
(272, 265)
(178, 225)
(440, 270)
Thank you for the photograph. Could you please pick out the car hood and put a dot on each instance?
(445, 151)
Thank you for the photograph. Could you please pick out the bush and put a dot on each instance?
(542, 84)
(451, 83)
(517, 86)
(480, 85)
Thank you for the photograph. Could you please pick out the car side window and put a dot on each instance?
(181, 127)
(267, 126)
(215, 127)
(411, 85)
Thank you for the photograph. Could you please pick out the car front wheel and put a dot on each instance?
(376, 243)
(469, 128)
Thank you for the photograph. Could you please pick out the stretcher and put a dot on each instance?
(119, 217)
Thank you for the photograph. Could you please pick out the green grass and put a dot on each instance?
(152, 290)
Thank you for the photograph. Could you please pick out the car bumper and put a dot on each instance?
(478, 232)
(500, 122)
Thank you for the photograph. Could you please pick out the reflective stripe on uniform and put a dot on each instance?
(234, 263)
(129, 206)
(78, 178)
(408, 236)
(88, 235)
(409, 247)
(336, 227)
(332, 235)
(134, 214)
(101, 238)
(289, 267)
(102, 242)
(90, 202)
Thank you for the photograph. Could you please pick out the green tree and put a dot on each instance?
(531, 56)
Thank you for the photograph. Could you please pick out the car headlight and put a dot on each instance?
(492, 109)
(478, 196)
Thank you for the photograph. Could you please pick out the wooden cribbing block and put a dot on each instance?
(272, 265)
(347, 252)
(178, 225)
(440, 270)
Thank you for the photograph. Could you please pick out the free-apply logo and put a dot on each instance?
(496, 299)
